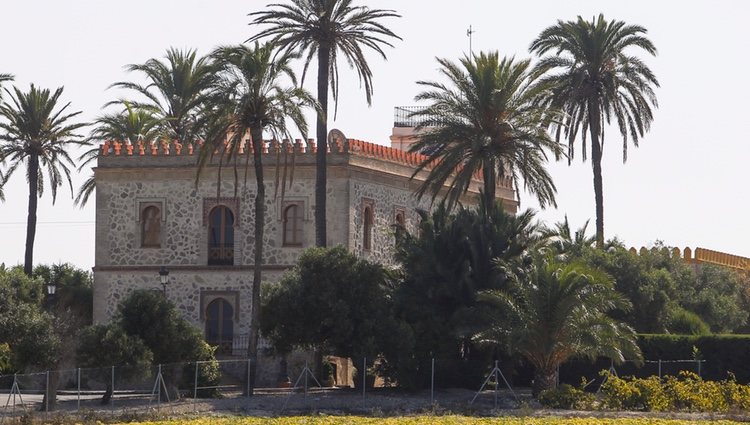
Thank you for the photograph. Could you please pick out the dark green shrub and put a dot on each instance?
(686, 322)
(567, 397)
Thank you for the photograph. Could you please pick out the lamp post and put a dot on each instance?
(164, 279)
(51, 289)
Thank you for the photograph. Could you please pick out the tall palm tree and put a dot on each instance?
(488, 122)
(593, 78)
(131, 124)
(177, 91)
(252, 100)
(324, 29)
(38, 133)
(561, 312)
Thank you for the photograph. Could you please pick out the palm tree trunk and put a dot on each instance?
(324, 58)
(544, 379)
(596, 164)
(260, 200)
(488, 174)
(28, 263)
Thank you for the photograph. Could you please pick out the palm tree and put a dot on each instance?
(131, 124)
(251, 99)
(566, 243)
(561, 312)
(325, 29)
(487, 123)
(177, 92)
(594, 80)
(39, 134)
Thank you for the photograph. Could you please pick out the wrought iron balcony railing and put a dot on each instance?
(403, 117)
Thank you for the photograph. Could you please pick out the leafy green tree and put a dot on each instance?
(171, 339)
(719, 296)
(156, 321)
(326, 29)
(103, 346)
(649, 280)
(131, 124)
(177, 92)
(74, 296)
(592, 77)
(38, 134)
(488, 123)
(250, 100)
(24, 326)
(335, 302)
(562, 312)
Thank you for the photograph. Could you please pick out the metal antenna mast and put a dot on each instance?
(469, 33)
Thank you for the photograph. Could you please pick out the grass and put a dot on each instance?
(414, 420)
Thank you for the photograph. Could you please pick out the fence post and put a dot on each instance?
(46, 395)
(112, 399)
(78, 375)
(305, 373)
(432, 383)
(158, 392)
(497, 382)
(364, 380)
(195, 386)
(247, 378)
(659, 368)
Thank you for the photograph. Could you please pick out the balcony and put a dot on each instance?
(402, 117)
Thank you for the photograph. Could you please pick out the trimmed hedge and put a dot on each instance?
(722, 354)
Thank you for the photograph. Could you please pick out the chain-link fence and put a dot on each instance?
(225, 385)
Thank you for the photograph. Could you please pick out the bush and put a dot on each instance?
(209, 374)
(568, 397)
(687, 392)
(5, 358)
(686, 322)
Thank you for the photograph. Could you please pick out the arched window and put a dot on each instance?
(367, 229)
(151, 227)
(220, 325)
(221, 237)
(293, 225)
(400, 222)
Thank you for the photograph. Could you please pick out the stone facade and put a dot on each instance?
(130, 180)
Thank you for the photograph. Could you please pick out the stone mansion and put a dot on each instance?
(152, 212)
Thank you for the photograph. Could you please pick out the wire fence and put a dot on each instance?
(224, 385)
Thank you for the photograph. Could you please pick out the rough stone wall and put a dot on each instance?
(386, 200)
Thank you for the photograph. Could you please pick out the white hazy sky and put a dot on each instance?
(683, 185)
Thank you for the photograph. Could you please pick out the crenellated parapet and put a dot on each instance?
(354, 147)
(702, 255)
